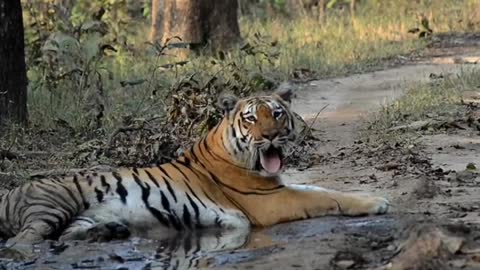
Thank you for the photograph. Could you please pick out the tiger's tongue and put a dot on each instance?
(271, 161)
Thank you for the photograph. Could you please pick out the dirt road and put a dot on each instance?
(344, 164)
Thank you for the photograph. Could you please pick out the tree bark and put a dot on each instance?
(156, 28)
(199, 23)
(13, 75)
(353, 6)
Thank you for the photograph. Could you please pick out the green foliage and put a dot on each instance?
(90, 67)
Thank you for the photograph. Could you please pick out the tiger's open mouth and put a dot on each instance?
(271, 160)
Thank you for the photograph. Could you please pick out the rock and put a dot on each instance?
(345, 264)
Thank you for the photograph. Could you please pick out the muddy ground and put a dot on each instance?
(433, 222)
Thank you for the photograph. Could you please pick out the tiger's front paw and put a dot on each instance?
(104, 232)
(368, 205)
(378, 206)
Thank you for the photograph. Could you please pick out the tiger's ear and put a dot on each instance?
(227, 103)
(285, 92)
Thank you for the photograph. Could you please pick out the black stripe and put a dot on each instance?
(152, 178)
(239, 147)
(50, 223)
(135, 170)
(241, 133)
(71, 195)
(58, 199)
(195, 157)
(164, 172)
(186, 217)
(89, 180)
(215, 156)
(185, 162)
(159, 216)
(192, 153)
(36, 216)
(215, 129)
(194, 194)
(86, 204)
(25, 218)
(175, 221)
(215, 178)
(198, 247)
(165, 202)
(195, 209)
(7, 203)
(170, 189)
(208, 196)
(172, 217)
(48, 202)
(106, 185)
(99, 194)
(185, 177)
(188, 167)
(218, 221)
(199, 145)
(187, 246)
(145, 194)
(191, 190)
(234, 133)
(120, 188)
(15, 205)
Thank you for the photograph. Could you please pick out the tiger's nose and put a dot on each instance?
(270, 135)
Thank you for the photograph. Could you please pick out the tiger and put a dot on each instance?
(229, 179)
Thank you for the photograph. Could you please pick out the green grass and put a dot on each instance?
(338, 45)
(439, 99)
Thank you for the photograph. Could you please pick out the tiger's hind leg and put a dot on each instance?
(20, 247)
(32, 233)
(84, 228)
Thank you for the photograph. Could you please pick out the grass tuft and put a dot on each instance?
(438, 99)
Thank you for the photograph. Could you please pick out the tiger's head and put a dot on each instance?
(260, 130)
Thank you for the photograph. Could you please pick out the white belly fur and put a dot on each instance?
(136, 216)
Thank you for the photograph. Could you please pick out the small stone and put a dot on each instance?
(461, 263)
(345, 264)
(471, 166)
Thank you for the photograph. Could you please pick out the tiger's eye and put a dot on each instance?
(277, 114)
(251, 118)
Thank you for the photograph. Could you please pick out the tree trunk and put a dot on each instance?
(156, 28)
(353, 6)
(321, 10)
(13, 77)
(199, 23)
